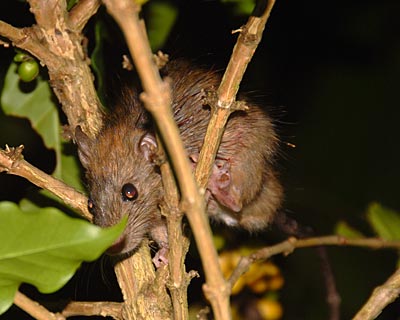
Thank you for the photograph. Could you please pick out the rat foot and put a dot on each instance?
(161, 257)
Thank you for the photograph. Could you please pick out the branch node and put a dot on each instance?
(211, 98)
(192, 274)
(12, 157)
(153, 101)
(15, 153)
(213, 293)
(292, 245)
(249, 38)
(239, 105)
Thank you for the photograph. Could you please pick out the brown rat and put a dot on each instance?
(123, 178)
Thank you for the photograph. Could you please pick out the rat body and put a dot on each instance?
(123, 178)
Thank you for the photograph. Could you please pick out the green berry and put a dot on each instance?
(28, 70)
(20, 57)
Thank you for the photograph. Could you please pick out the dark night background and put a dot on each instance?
(331, 69)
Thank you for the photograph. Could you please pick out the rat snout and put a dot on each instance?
(118, 246)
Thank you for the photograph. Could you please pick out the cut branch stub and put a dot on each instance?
(211, 99)
(10, 156)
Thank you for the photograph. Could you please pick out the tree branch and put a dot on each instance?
(178, 244)
(55, 43)
(92, 308)
(35, 309)
(80, 14)
(11, 33)
(12, 162)
(137, 279)
(380, 298)
(288, 246)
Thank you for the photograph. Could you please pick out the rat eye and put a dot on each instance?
(129, 192)
(90, 205)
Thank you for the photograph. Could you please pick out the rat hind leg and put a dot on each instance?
(259, 213)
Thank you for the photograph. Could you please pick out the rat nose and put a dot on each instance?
(117, 247)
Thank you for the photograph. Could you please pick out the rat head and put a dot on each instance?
(122, 180)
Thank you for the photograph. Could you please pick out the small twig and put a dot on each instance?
(288, 246)
(12, 162)
(332, 296)
(292, 228)
(92, 308)
(380, 298)
(35, 309)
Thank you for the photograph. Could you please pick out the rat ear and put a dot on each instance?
(148, 146)
(223, 188)
(84, 144)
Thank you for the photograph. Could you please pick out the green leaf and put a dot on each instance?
(71, 3)
(385, 222)
(241, 7)
(37, 106)
(7, 293)
(44, 247)
(161, 18)
(344, 229)
(97, 58)
(71, 171)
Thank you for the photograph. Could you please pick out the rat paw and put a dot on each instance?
(161, 257)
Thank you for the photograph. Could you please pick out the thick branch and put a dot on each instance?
(53, 41)
(143, 298)
(12, 162)
(49, 15)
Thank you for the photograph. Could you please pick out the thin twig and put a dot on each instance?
(288, 246)
(35, 309)
(380, 298)
(92, 308)
(12, 162)
(332, 296)
(292, 228)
